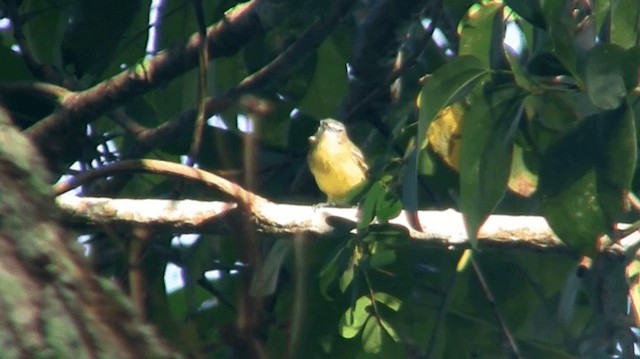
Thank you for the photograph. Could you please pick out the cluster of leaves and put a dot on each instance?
(559, 116)
(553, 122)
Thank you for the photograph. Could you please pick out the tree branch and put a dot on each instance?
(442, 229)
(79, 108)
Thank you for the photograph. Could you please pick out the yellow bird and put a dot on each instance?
(336, 163)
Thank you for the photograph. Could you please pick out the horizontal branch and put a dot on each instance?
(444, 229)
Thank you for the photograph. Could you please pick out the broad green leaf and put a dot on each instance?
(601, 11)
(485, 157)
(529, 10)
(410, 183)
(132, 47)
(354, 318)
(444, 134)
(382, 258)
(482, 33)
(388, 206)
(372, 336)
(348, 331)
(523, 175)
(624, 22)
(630, 64)
(389, 329)
(571, 36)
(553, 112)
(369, 205)
(604, 77)
(388, 300)
(519, 74)
(618, 166)
(329, 84)
(577, 185)
(329, 272)
(450, 82)
(575, 215)
(346, 278)
(45, 29)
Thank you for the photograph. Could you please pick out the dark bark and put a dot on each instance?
(51, 304)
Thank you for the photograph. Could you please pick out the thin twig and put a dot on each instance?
(203, 69)
(492, 302)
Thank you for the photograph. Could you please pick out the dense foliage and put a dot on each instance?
(546, 127)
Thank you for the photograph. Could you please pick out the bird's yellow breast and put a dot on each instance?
(336, 170)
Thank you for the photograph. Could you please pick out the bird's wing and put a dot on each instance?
(357, 154)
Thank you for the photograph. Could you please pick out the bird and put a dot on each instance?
(337, 164)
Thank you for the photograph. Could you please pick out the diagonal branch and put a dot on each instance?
(223, 39)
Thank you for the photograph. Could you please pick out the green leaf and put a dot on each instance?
(482, 32)
(346, 278)
(630, 64)
(389, 300)
(389, 329)
(329, 272)
(624, 22)
(519, 74)
(354, 318)
(523, 175)
(485, 153)
(348, 331)
(529, 10)
(45, 29)
(575, 214)
(450, 82)
(569, 38)
(553, 112)
(410, 183)
(581, 191)
(618, 166)
(368, 206)
(388, 207)
(372, 336)
(382, 258)
(604, 77)
(329, 84)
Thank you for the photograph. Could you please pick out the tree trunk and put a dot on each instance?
(51, 304)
